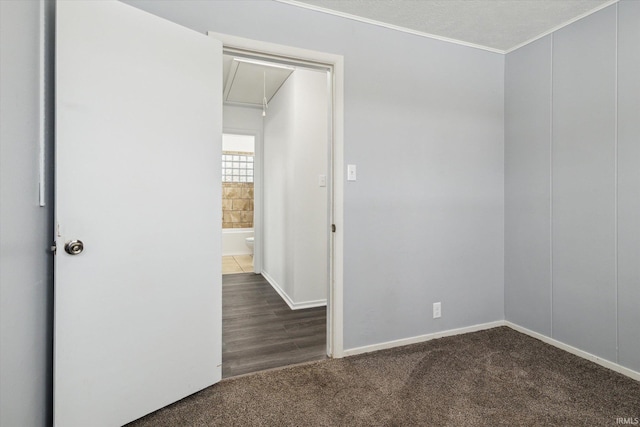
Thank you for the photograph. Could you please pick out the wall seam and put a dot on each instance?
(551, 42)
(504, 188)
(615, 178)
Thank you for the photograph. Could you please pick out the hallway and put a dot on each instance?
(260, 331)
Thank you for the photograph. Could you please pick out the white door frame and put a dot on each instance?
(336, 256)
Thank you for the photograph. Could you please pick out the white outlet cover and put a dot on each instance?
(437, 310)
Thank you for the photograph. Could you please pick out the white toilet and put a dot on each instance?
(249, 242)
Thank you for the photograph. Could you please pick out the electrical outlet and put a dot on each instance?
(437, 310)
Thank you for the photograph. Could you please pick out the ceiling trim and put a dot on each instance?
(441, 38)
(558, 27)
(389, 26)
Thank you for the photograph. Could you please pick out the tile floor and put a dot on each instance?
(237, 264)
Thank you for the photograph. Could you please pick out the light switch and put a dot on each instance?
(322, 180)
(351, 172)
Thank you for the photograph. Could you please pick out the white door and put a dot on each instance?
(138, 143)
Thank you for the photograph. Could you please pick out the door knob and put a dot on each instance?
(74, 247)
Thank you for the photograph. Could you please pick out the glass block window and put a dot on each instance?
(237, 168)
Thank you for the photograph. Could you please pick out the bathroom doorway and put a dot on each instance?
(275, 308)
(238, 201)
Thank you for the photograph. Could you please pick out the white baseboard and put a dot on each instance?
(292, 305)
(422, 338)
(580, 353)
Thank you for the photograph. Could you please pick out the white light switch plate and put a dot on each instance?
(322, 180)
(351, 172)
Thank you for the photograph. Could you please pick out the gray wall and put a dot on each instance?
(572, 185)
(25, 282)
(424, 222)
(527, 186)
(628, 206)
(424, 124)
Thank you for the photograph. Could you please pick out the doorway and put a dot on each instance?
(277, 316)
(238, 202)
(335, 305)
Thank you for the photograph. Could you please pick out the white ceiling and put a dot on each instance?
(498, 25)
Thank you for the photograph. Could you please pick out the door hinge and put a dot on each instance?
(333, 228)
(54, 248)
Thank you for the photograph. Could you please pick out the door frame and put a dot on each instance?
(335, 63)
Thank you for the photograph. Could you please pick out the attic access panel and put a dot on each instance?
(249, 81)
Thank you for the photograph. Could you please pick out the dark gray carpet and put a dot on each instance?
(497, 377)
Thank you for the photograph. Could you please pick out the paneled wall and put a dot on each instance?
(527, 186)
(572, 185)
(583, 183)
(628, 185)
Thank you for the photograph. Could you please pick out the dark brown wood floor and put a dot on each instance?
(260, 331)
